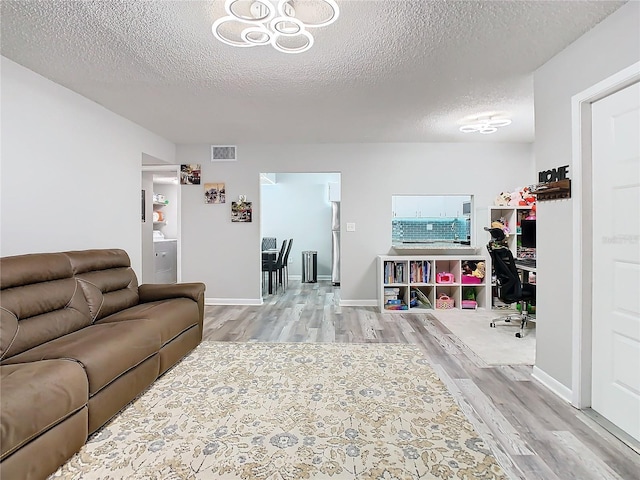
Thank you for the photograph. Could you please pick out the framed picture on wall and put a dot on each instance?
(240, 211)
(190, 174)
(214, 193)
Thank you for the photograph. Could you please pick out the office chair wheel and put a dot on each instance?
(518, 335)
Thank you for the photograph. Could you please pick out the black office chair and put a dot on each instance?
(510, 287)
(274, 268)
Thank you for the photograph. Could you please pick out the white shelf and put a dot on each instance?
(512, 215)
(399, 272)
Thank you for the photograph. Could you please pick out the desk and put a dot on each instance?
(525, 270)
(269, 257)
(522, 266)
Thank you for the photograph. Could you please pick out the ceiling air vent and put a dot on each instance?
(223, 153)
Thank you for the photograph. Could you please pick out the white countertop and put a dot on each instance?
(156, 240)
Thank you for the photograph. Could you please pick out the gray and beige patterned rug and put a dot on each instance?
(290, 411)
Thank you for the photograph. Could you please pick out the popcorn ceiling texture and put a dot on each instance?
(386, 71)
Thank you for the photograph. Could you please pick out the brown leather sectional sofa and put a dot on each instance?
(79, 340)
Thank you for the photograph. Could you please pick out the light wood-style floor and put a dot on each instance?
(533, 433)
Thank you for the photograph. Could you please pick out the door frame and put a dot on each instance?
(582, 227)
(172, 168)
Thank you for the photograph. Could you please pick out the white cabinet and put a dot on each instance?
(453, 205)
(428, 206)
(405, 206)
(417, 206)
(412, 282)
(165, 261)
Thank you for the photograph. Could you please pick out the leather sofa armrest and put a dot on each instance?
(151, 292)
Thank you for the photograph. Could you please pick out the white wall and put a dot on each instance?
(226, 256)
(298, 207)
(71, 170)
(608, 48)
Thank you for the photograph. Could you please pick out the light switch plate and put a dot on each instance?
(351, 227)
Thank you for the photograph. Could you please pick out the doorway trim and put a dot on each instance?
(176, 169)
(582, 227)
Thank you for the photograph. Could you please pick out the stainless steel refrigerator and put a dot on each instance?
(335, 243)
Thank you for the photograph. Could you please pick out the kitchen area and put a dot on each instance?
(431, 221)
(160, 195)
(304, 207)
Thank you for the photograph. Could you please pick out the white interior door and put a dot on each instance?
(616, 259)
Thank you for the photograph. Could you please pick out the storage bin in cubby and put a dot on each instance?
(449, 266)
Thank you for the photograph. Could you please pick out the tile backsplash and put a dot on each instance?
(430, 229)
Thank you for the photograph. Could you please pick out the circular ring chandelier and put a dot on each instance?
(251, 23)
(485, 125)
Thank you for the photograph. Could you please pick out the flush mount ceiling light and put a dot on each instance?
(282, 24)
(485, 125)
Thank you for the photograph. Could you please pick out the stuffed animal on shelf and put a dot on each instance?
(515, 198)
(528, 198)
(502, 225)
(502, 199)
(479, 272)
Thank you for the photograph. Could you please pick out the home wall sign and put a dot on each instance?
(553, 184)
(553, 175)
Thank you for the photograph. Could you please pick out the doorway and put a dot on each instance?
(606, 316)
(298, 206)
(161, 224)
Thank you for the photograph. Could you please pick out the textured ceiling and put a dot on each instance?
(386, 71)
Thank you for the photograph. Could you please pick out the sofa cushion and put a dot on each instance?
(169, 317)
(40, 301)
(107, 280)
(106, 351)
(37, 396)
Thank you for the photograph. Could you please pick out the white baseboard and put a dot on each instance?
(233, 301)
(552, 384)
(359, 303)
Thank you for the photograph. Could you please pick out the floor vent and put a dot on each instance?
(223, 153)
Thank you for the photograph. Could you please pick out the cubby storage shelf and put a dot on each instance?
(401, 278)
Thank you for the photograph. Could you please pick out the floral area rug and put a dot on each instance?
(290, 411)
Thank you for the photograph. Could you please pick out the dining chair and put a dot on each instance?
(269, 243)
(273, 268)
(284, 267)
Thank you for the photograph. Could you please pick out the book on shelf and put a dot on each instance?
(421, 297)
(420, 271)
(396, 307)
(394, 272)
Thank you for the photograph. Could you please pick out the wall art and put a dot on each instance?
(214, 193)
(190, 174)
